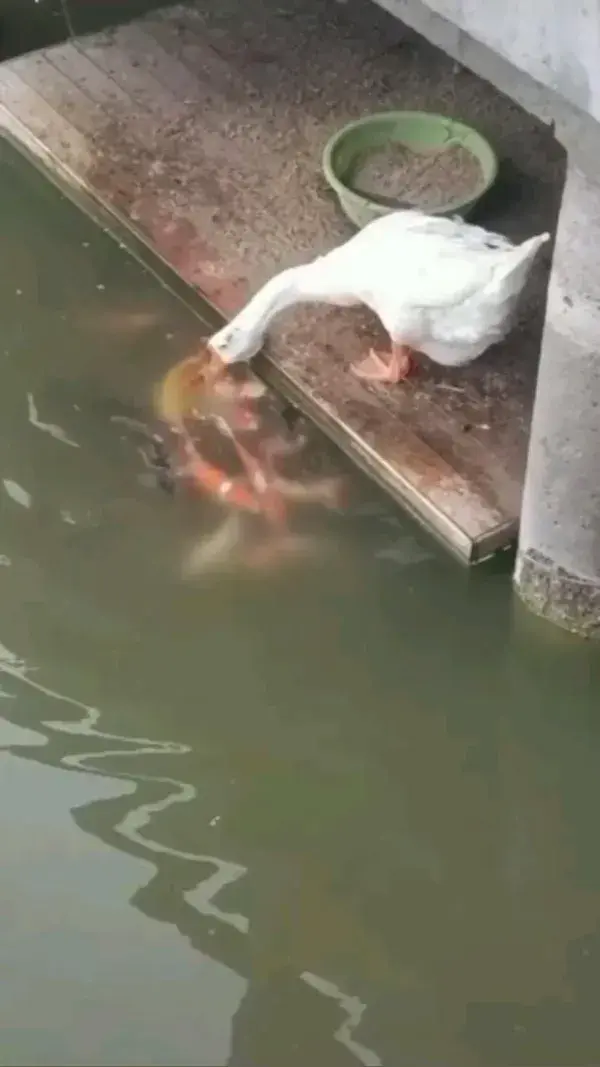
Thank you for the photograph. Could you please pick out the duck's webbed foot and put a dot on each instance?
(390, 368)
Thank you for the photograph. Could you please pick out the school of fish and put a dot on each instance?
(191, 394)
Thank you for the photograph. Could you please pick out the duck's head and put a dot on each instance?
(236, 344)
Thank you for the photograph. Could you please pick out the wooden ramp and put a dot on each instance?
(203, 131)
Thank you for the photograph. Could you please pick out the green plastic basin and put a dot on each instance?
(420, 131)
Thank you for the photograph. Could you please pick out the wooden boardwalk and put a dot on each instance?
(203, 131)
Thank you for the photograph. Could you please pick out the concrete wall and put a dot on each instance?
(542, 53)
(557, 42)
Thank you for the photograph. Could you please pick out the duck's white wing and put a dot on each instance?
(427, 261)
(425, 280)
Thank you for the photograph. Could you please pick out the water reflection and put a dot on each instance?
(495, 904)
(87, 978)
(185, 900)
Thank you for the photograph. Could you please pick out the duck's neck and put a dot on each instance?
(243, 336)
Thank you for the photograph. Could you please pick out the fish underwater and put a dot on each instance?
(215, 481)
(184, 394)
(188, 395)
(228, 549)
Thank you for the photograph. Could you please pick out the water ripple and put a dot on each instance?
(139, 816)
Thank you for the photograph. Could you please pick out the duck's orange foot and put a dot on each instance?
(391, 368)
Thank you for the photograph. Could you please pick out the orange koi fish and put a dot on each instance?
(188, 391)
(271, 501)
(217, 482)
(192, 389)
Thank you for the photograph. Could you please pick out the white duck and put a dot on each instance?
(440, 286)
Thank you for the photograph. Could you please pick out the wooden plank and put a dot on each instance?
(43, 122)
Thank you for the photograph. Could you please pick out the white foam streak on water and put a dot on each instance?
(56, 432)
(17, 493)
(354, 1009)
(140, 815)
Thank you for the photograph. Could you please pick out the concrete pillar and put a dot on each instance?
(558, 563)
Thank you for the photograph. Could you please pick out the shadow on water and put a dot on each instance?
(365, 789)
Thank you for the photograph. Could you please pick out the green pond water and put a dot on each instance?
(29, 24)
(341, 813)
